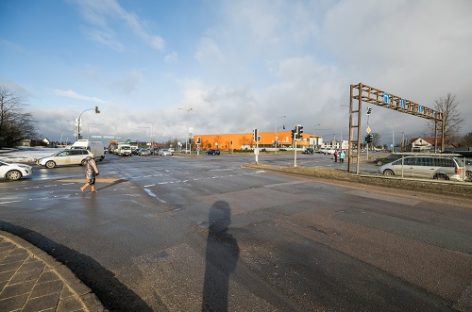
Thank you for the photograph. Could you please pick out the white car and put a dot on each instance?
(64, 158)
(327, 151)
(165, 152)
(14, 172)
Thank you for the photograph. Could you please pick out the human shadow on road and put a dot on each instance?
(222, 253)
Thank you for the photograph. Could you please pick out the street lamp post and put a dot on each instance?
(187, 130)
(97, 111)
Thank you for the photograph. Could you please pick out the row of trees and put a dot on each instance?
(15, 124)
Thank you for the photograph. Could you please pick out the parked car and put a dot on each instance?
(432, 167)
(213, 152)
(144, 152)
(308, 150)
(64, 158)
(385, 160)
(165, 152)
(13, 172)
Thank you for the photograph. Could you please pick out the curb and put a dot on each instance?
(88, 298)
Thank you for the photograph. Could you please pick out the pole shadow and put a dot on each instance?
(222, 253)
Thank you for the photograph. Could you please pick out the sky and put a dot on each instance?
(161, 68)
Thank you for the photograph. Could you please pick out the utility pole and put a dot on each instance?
(295, 149)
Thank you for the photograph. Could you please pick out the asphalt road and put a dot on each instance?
(204, 234)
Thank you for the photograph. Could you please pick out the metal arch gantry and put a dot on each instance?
(364, 93)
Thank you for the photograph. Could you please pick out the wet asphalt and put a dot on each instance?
(205, 234)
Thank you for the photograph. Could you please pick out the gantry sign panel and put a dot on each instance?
(363, 93)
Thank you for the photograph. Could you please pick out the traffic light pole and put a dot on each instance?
(295, 150)
(367, 143)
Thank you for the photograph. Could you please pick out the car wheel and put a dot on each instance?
(13, 175)
(388, 173)
(441, 176)
(468, 175)
(50, 164)
(83, 162)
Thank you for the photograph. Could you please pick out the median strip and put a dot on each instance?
(430, 186)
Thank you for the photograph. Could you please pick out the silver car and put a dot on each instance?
(426, 167)
(165, 152)
(64, 158)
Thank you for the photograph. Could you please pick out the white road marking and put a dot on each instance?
(150, 185)
(9, 202)
(150, 193)
(286, 183)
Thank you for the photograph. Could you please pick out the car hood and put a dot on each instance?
(19, 165)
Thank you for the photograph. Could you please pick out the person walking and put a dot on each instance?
(91, 171)
(336, 155)
(341, 156)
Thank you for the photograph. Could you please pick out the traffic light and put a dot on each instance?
(369, 110)
(97, 111)
(299, 131)
(255, 134)
(199, 140)
(369, 138)
(294, 131)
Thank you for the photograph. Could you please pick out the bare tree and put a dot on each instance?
(451, 116)
(467, 140)
(15, 125)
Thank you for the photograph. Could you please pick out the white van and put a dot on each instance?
(123, 150)
(96, 147)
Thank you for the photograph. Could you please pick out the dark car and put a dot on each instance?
(308, 150)
(213, 152)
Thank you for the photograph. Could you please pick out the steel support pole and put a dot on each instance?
(349, 151)
(443, 129)
(359, 122)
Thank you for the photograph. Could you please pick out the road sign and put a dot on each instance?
(368, 130)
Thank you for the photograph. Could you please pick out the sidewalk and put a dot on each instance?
(31, 280)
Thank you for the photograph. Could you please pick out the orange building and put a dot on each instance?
(240, 141)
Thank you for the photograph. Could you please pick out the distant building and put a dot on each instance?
(241, 141)
(25, 142)
(421, 145)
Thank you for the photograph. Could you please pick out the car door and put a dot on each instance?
(410, 167)
(444, 166)
(3, 169)
(62, 158)
(425, 168)
(77, 156)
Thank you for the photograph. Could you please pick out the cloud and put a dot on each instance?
(262, 60)
(101, 14)
(74, 95)
(208, 51)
